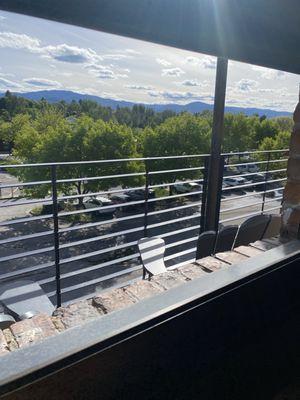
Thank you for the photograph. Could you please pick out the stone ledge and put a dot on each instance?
(3, 344)
(211, 264)
(29, 331)
(231, 257)
(113, 300)
(77, 313)
(32, 330)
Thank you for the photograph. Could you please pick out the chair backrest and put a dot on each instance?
(205, 244)
(252, 229)
(23, 298)
(273, 228)
(152, 251)
(225, 238)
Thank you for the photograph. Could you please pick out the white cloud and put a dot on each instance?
(131, 51)
(163, 62)
(193, 82)
(172, 72)
(71, 54)
(6, 84)
(2, 18)
(209, 62)
(103, 72)
(19, 41)
(115, 57)
(177, 96)
(41, 82)
(206, 62)
(246, 85)
(268, 73)
(139, 87)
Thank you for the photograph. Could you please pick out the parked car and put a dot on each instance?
(120, 198)
(101, 202)
(139, 194)
(258, 178)
(235, 181)
(251, 168)
(277, 193)
(187, 187)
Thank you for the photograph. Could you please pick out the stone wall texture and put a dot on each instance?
(27, 332)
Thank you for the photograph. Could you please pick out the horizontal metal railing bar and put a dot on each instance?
(27, 254)
(17, 184)
(249, 215)
(167, 171)
(26, 237)
(79, 298)
(101, 193)
(175, 196)
(250, 205)
(97, 252)
(135, 255)
(23, 203)
(173, 221)
(254, 152)
(181, 242)
(65, 163)
(88, 210)
(252, 184)
(119, 273)
(25, 220)
(249, 195)
(130, 203)
(99, 266)
(98, 280)
(191, 205)
(95, 178)
(256, 162)
(255, 173)
(181, 253)
(175, 183)
(93, 239)
(26, 271)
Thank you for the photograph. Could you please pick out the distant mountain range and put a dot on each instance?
(197, 106)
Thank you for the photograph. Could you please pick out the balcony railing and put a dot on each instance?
(73, 248)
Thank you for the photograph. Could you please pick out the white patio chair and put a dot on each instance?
(152, 251)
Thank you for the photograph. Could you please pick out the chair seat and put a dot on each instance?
(24, 296)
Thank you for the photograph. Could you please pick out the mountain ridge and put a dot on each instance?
(197, 106)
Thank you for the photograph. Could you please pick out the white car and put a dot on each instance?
(187, 187)
(99, 201)
(251, 168)
(236, 181)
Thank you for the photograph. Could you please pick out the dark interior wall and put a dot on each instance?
(264, 32)
(241, 344)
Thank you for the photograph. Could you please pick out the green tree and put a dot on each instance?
(58, 140)
(185, 134)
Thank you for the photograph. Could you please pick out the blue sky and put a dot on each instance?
(41, 55)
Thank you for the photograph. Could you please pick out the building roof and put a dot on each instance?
(261, 32)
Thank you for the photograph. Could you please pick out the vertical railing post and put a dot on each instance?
(146, 204)
(216, 144)
(204, 196)
(219, 192)
(56, 233)
(265, 184)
